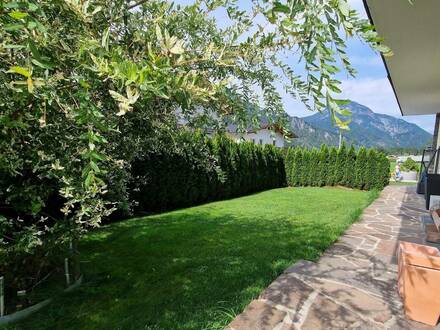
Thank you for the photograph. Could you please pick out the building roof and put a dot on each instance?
(412, 31)
(264, 124)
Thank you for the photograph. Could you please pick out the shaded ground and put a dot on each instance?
(197, 268)
(354, 284)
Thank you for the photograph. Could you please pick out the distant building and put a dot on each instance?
(416, 158)
(265, 134)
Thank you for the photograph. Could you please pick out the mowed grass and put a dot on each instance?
(196, 268)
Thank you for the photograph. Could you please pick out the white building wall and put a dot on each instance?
(262, 136)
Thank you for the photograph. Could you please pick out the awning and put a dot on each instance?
(412, 31)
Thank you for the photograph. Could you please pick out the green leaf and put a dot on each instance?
(334, 88)
(271, 17)
(13, 27)
(14, 46)
(385, 50)
(342, 102)
(32, 6)
(11, 4)
(94, 167)
(343, 7)
(280, 8)
(32, 25)
(89, 179)
(159, 33)
(20, 70)
(18, 14)
(345, 112)
(40, 64)
(105, 36)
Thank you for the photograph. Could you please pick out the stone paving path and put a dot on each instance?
(353, 285)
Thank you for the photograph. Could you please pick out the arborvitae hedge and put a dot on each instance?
(350, 162)
(340, 165)
(323, 165)
(204, 169)
(360, 168)
(331, 172)
(343, 167)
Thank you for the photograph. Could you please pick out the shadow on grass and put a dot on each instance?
(198, 267)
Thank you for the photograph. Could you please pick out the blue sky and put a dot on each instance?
(370, 87)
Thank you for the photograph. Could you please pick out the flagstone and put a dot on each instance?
(354, 283)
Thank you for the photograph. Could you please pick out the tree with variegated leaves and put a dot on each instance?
(88, 86)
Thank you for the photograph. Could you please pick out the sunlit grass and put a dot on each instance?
(198, 267)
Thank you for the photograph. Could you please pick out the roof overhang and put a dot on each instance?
(412, 31)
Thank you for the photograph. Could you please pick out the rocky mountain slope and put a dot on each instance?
(310, 136)
(366, 128)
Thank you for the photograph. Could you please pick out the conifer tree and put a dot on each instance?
(323, 165)
(289, 163)
(340, 164)
(370, 180)
(350, 161)
(305, 167)
(313, 167)
(360, 168)
(331, 168)
(295, 171)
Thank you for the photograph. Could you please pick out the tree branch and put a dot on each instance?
(138, 3)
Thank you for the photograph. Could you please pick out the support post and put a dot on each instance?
(66, 271)
(2, 296)
(436, 141)
(340, 139)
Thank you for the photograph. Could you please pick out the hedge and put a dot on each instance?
(362, 169)
(204, 169)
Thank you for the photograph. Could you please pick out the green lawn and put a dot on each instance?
(198, 267)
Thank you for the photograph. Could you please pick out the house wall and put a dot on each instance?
(262, 136)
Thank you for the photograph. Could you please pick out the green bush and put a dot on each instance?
(314, 167)
(295, 167)
(323, 165)
(204, 170)
(409, 165)
(360, 168)
(346, 167)
(331, 179)
(341, 160)
(349, 169)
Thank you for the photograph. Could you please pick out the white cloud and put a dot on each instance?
(376, 94)
(373, 60)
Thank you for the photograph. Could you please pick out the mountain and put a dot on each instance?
(368, 128)
(309, 136)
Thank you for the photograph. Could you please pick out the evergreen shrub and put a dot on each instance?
(362, 169)
(205, 169)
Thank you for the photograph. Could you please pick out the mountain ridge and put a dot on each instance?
(367, 128)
